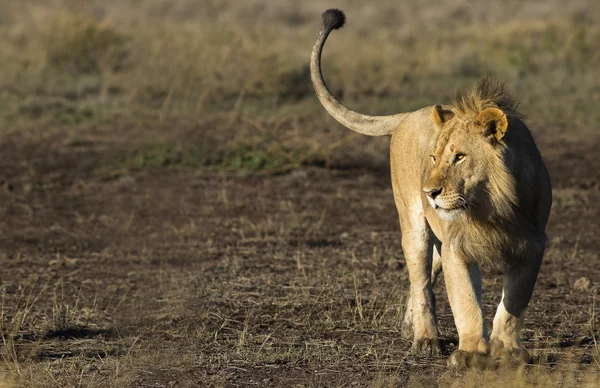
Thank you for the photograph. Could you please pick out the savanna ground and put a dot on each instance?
(178, 210)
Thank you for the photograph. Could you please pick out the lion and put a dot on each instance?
(470, 187)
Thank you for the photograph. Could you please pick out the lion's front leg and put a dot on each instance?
(463, 285)
(517, 289)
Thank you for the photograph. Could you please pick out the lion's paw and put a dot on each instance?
(512, 357)
(509, 356)
(426, 347)
(462, 359)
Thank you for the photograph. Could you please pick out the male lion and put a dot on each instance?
(470, 187)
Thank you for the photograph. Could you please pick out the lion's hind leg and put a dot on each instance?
(436, 269)
(519, 282)
(420, 322)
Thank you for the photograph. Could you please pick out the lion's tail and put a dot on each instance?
(367, 125)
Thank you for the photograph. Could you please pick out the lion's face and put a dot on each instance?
(464, 155)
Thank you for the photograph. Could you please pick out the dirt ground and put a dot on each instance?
(193, 278)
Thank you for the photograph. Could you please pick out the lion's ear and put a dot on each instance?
(441, 115)
(494, 122)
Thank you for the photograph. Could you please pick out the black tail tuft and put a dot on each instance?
(333, 19)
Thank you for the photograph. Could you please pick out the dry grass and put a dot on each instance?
(166, 221)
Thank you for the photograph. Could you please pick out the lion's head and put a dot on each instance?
(468, 172)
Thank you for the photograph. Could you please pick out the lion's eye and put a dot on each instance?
(459, 157)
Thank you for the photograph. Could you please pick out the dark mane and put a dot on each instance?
(488, 93)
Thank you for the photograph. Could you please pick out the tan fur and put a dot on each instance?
(470, 187)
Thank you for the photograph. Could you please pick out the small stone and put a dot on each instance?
(125, 182)
(582, 284)
(344, 235)
(299, 175)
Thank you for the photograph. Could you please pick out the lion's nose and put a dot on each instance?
(432, 193)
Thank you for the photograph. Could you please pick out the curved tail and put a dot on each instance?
(367, 125)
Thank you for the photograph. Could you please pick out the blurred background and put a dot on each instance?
(177, 208)
(230, 79)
